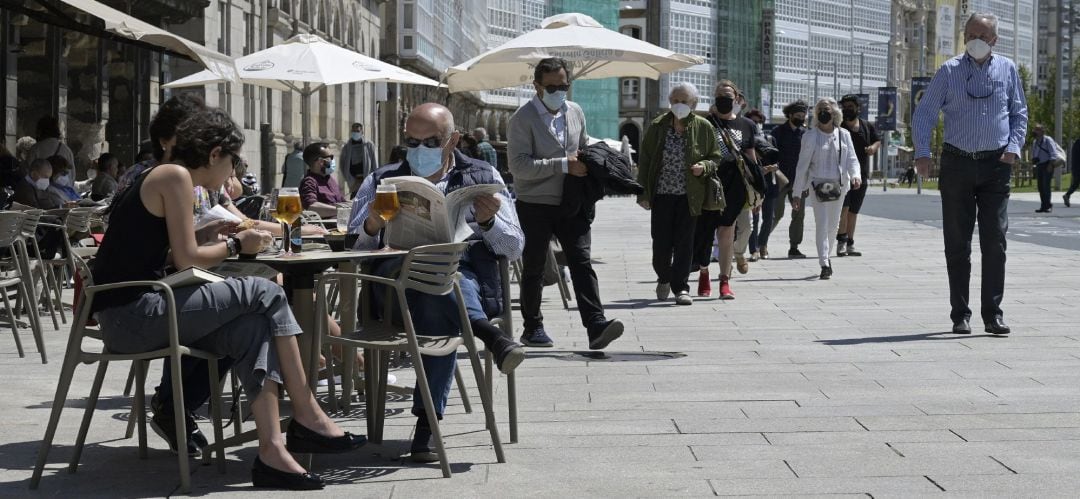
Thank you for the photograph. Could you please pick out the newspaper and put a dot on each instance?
(429, 217)
(218, 212)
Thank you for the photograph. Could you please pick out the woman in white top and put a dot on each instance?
(827, 166)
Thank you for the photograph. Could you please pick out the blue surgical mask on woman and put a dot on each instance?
(554, 100)
(424, 161)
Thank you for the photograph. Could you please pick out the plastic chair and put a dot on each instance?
(76, 354)
(11, 223)
(427, 269)
(76, 222)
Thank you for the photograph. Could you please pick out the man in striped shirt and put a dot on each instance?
(985, 111)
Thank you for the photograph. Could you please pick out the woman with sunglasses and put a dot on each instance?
(246, 319)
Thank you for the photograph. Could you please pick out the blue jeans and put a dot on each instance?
(434, 315)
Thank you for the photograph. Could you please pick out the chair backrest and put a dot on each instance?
(77, 220)
(30, 223)
(432, 269)
(11, 223)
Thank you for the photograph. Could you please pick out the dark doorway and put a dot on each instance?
(631, 132)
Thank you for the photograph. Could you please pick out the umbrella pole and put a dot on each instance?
(305, 113)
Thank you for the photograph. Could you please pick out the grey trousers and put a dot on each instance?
(795, 230)
(235, 318)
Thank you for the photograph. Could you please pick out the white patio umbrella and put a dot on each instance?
(307, 63)
(592, 50)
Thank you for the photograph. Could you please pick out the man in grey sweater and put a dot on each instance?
(544, 137)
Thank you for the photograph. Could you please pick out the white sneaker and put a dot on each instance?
(663, 291)
(684, 298)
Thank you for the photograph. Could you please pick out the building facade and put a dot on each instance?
(1058, 26)
(105, 90)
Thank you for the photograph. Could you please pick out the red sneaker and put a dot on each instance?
(725, 289)
(704, 287)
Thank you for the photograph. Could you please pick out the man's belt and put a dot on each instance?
(956, 151)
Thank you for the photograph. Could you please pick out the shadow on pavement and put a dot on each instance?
(905, 338)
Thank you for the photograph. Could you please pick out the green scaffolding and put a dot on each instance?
(598, 98)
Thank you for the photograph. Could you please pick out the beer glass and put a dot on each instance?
(386, 204)
(288, 210)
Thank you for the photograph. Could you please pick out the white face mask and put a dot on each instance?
(680, 110)
(978, 49)
(736, 109)
(41, 184)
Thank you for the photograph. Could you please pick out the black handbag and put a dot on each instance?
(829, 190)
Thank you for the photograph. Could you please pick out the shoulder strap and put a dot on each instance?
(58, 145)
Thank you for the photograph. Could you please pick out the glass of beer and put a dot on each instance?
(288, 210)
(386, 204)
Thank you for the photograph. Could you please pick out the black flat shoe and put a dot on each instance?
(302, 440)
(271, 478)
(961, 327)
(996, 326)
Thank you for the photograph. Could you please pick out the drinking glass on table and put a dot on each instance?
(386, 203)
(288, 210)
(344, 210)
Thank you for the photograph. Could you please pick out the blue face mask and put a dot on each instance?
(424, 161)
(331, 167)
(356, 136)
(555, 100)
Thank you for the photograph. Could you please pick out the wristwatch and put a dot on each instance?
(233, 245)
(486, 226)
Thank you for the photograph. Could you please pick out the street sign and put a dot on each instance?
(919, 85)
(864, 106)
(767, 25)
(886, 115)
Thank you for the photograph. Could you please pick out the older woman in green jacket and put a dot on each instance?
(677, 156)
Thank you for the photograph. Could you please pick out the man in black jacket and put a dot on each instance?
(789, 141)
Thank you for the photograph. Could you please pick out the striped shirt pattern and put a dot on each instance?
(974, 124)
(505, 237)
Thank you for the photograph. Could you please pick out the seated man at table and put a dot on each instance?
(318, 189)
(430, 137)
(32, 190)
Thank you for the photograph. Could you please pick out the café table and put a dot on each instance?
(300, 272)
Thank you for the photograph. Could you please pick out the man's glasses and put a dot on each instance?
(978, 87)
(236, 160)
(556, 88)
(329, 156)
(430, 142)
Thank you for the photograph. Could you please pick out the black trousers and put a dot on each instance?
(672, 240)
(540, 222)
(1075, 182)
(1044, 174)
(975, 190)
(196, 380)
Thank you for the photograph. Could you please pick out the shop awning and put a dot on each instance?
(120, 26)
(135, 29)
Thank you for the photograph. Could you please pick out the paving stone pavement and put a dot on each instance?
(798, 387)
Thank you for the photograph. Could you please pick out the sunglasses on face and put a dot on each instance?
(328, 157)
(556, 88)
(430, 142)
(236, 160)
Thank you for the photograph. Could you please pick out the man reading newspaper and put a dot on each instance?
(490, 225)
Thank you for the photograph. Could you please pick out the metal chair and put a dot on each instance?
(76, 222)
(15, 278)
(76, 354)
(504, 321)
(427, 269)
(29, 230)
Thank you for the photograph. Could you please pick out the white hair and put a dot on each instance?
(986, 17)
(834, 110)
(480, 131)
(686, 87)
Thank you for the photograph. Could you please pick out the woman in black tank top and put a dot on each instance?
(247, 320)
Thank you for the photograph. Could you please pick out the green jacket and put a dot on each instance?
(701, 149)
